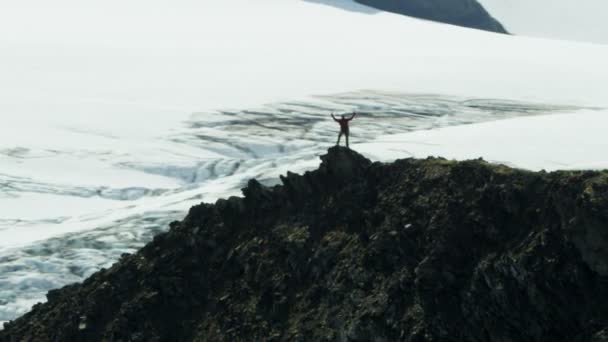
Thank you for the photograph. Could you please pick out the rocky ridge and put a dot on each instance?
(415, 250)
(467, 13)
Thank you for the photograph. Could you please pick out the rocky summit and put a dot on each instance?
(415, 250)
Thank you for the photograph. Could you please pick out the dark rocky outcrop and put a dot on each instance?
(416, 250)
(467, 13)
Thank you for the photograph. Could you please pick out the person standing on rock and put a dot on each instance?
(343, 121)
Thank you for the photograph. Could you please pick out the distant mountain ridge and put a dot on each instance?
(467, 13)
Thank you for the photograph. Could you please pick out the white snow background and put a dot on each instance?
(117, 116)
(580, 20)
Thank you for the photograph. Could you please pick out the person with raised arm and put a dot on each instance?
(343, 121)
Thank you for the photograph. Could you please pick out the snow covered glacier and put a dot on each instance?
(111, 131)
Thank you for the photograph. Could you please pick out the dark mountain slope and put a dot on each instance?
(416, 250)
(467, 13)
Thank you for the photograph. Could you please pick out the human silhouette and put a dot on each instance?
(343, 121)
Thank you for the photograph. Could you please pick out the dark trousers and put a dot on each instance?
(340, 136)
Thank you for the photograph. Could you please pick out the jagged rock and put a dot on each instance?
(343, 165)
(416, 250)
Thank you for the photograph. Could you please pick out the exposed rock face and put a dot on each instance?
(467, 13)
(417, 250)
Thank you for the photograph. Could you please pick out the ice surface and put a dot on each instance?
(110, 131)
(556, 142)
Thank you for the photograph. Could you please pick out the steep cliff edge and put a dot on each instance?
(416, 250)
